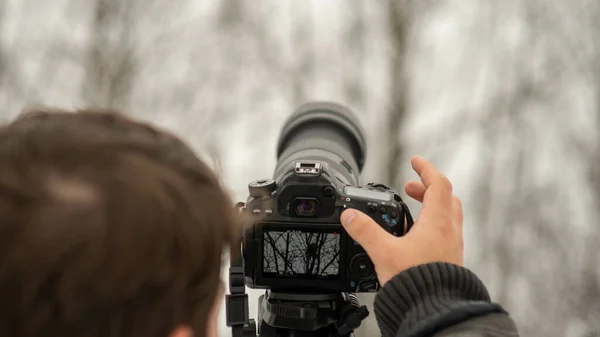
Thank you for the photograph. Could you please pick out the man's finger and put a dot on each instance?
(458, 210)
(428, 173)
(424, 169)
(438, 196)
(366, 232)
(415, 190)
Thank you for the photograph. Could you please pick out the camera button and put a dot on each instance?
(393, 215)
(362, 267)
(386, 219)
(372, 209)
(382, 210)
(343, 208)
(328, 191)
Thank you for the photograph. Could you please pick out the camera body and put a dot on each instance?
(296, 241)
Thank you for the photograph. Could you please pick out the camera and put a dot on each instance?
(296, 242)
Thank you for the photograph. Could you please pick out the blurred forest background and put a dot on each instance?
(504, 96)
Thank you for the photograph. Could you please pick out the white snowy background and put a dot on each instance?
(504, 96)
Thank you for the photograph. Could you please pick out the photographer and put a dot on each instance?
(111, 227)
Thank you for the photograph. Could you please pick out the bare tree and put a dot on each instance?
(2, 52)
(10, 84)
(399, 23)
(587, 305)
(304, 65)
(355, 55)
(232, 22)
(11, 87)
(510, 204)
(3, 57)
(111, 62)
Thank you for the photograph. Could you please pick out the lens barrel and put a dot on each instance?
(323, 131)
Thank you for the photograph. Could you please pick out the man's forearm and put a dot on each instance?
(432, 298)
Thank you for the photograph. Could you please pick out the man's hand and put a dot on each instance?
(435, 237)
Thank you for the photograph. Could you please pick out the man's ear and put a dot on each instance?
(182, 331)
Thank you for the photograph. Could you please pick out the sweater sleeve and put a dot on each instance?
(429, 298)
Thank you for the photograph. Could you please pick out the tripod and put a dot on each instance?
(291, 314)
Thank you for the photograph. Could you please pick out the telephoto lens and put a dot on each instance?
(327, 132)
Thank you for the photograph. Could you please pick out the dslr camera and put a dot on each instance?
(296, 242)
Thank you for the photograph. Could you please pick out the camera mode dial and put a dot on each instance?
(262, 188)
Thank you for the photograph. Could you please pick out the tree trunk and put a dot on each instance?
(398, 26)
(399, 23)
(111, 65)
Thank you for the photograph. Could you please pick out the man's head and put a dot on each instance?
(108, 227)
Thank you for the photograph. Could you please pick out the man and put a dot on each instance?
(111, 227)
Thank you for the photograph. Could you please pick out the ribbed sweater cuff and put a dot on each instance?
(430, 297)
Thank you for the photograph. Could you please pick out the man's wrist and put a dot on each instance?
(430, 296)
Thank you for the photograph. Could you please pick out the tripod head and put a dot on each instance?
(291, 314)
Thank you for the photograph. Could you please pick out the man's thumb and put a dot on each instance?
(364, 230)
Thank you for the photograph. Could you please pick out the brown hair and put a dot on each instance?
(108, 227)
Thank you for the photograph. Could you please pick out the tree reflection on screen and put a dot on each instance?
(301, 253)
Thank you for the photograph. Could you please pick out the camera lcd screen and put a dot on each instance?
(301, 254)
(367, 194)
